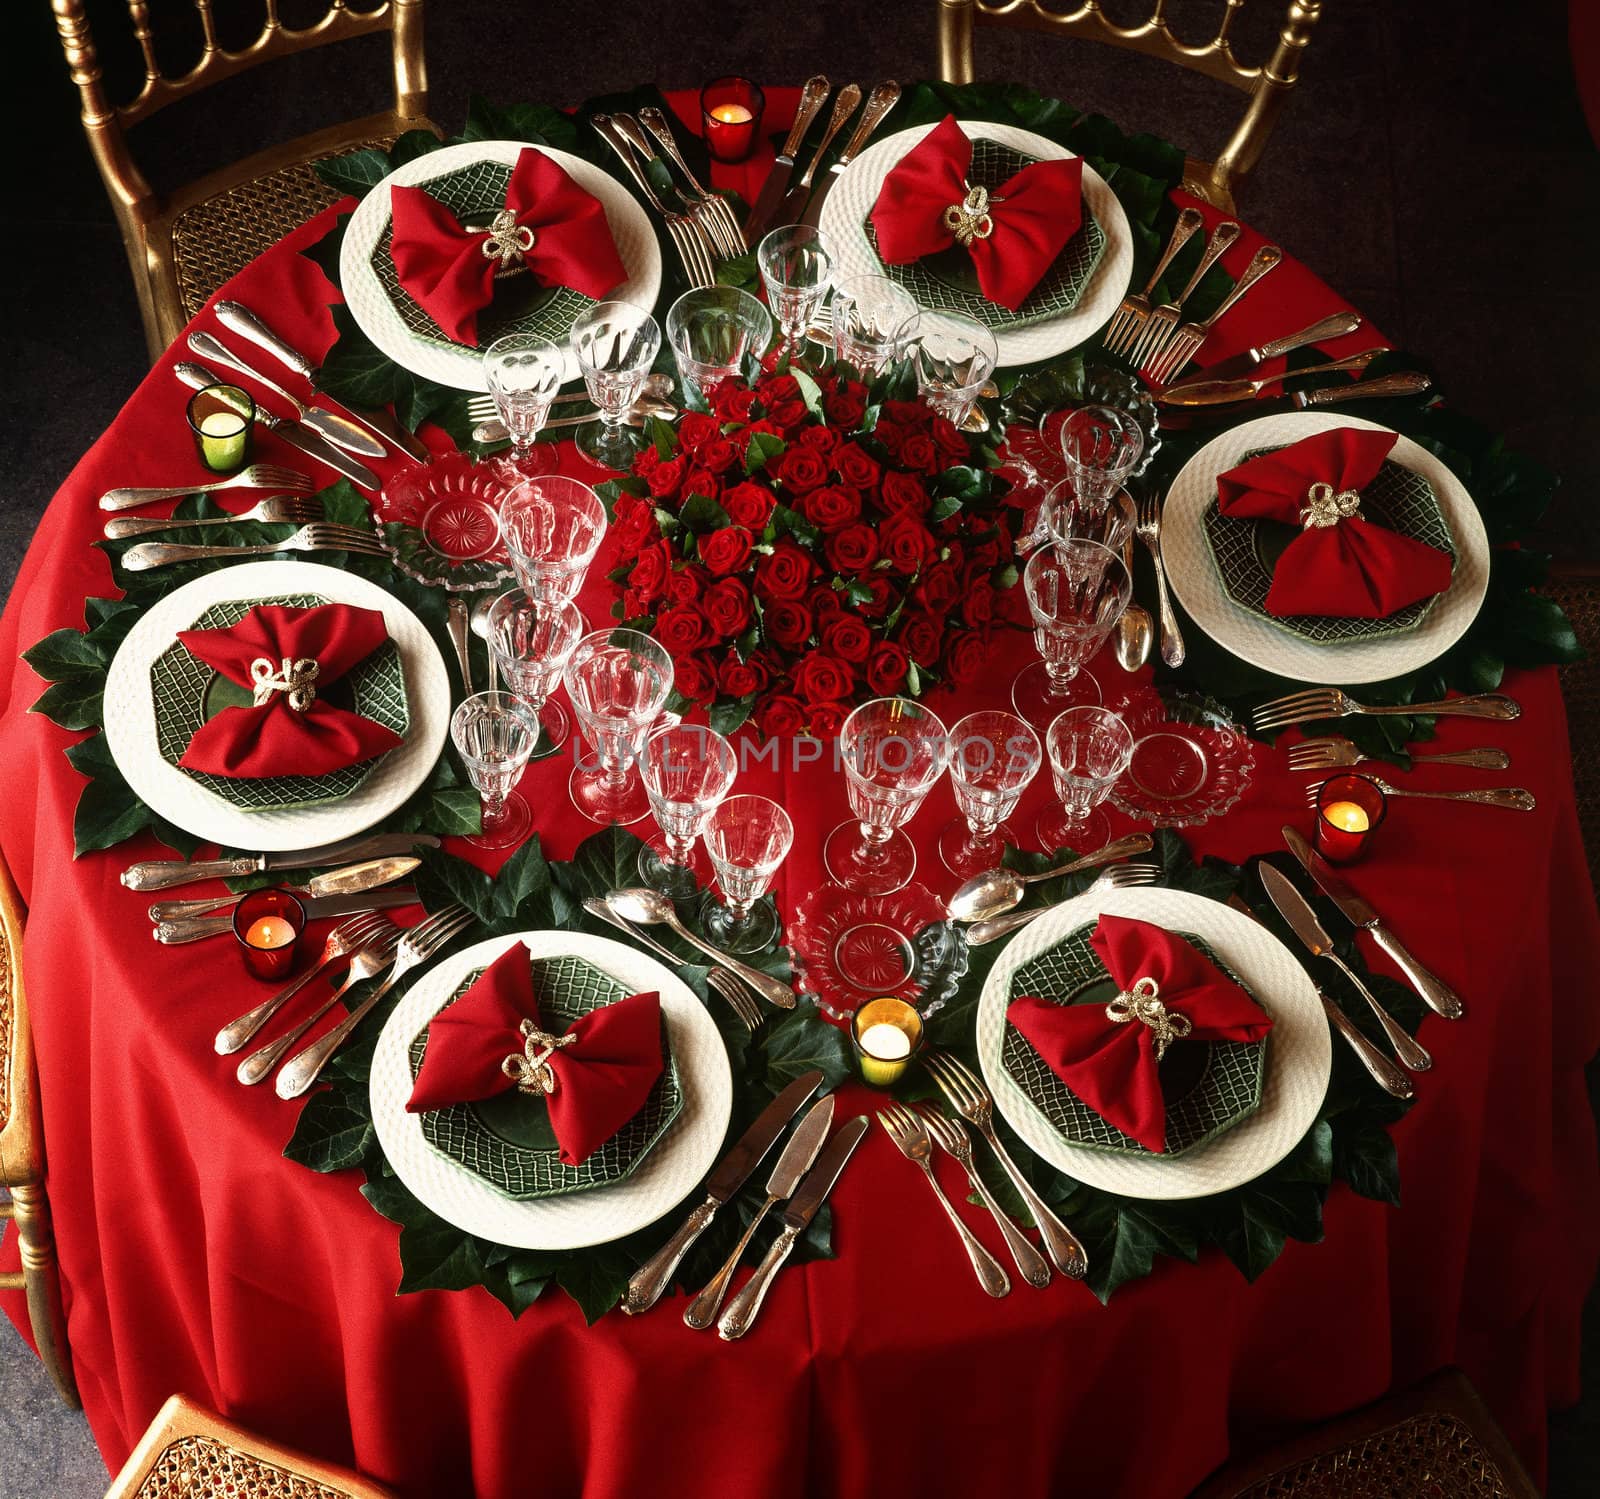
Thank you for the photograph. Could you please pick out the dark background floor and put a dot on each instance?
(1434, 165)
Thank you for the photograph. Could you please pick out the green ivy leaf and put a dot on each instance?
(1364, 1157)
(356, 173)
(64, 655)
(73, 704)
(331, 1134)
(597, 1281)
(604, 861)
(536, 123)
(442, 879)
(801, 1040)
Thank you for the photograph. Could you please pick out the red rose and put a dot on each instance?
(822, 440)
(697, 427)
(848, 638)
(947, 438)
(854, 467)
(827, 719)
(844, 410)
(749, 505)
(821, 678)
(886, 671)
(647, 462)
(780, 715)
(852, 550)
(741, 438)
(967, 656)
(884, 595)
(824, 602)
(787, 415)
(977, 607)
(939, 589)
(634, 524)
(800, 470)
(666, 478)
(736, 678)
(832, 506)
(908, 413)
(891, 435)
(918, 452)
(920, 634)
(788, 624)
(777, 388)
(727, 606)
(701, 481)
(903, 492)
(718, 456)
(907, 543)
(694, 678)
(732, 401)
(687, 583)
(680, 629)
(785, 572)
(650, 573)
(725, 551)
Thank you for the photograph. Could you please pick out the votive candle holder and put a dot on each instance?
(1349, 810)
(267, 924)
(886, 1035)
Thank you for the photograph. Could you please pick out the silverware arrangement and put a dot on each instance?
(1148, 530)
(1334, 752)
(279, 511)
(997, 890)
(163, 874)
(1316, 703)
(1118, 877)
(317, 537)
(256, 476)
(1511, 798)
(688, 230)
(765, 212)
(354, 879)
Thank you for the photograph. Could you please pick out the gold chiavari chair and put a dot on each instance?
(188, 1453)
(1266, 86)
(182, 246)
(22, 1153)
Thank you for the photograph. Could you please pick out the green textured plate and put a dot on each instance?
(1246, 551)
(506, 1141)
(1209, 1086)
(947, 282)
(520, 305)
(187, 693)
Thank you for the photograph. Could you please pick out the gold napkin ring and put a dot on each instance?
(1143, 1003)
(1324, 507)
(969, 219)
(531, 1066)
(296, 680)
(508, 241)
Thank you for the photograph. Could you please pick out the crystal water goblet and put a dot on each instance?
(524, 373)
(616, 344)
(796, 264)
(993, 757)
(495, 734)
(1089, 749)
(953, 357)
(687, 770)
(552, 527)
(1101, 446)
(893, 750)
(617, 682)
(747, 838)
(1076, 591)
(531, 640)
(869, 316)
(712, 330)
(1067, 518)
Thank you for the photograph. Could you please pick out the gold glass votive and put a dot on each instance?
(886, 1034)
(221, 418)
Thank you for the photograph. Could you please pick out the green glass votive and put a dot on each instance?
(886, 1034)
(222, 418)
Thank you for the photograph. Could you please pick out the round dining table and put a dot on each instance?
(194, 1257)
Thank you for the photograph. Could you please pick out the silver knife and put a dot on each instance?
(1334, 326)
(812, 97)
(796, 1216)
(163, 874)
(1296, 910)
(1436, 994)
(246, 324)
(793, 1163)
(651, 1278)
(879, 102)
(193, 928)
(346, 881)
(794, 201)
(1401, 383)
(1248, 387)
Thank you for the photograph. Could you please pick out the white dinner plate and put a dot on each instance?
(458, 364)
(663, 1179)
(848, 204)
(1193, 573)
(1299, 1049)
(130, 723)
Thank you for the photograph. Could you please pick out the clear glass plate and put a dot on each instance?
(1190, 761)
(439, 521)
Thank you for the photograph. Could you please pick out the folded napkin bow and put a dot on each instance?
(1108, 1054)
(287, 657)
(1013, 234)
(594, 1077)
(549, 224)
(1340, 564)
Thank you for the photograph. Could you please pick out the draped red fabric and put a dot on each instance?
(195, 1258)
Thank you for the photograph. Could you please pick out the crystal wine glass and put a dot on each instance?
(616, 343)
(524, 373)
(796, 266)
(1076, 593)
(618, 682)
(869, 317)
(1089, 749)
(552, 527)
(747, 838)
(1067, 518)
(954, 357)
(712, 329)
(531, 640)
(1101, 445)
(894, 749)
(495, 734)
(687, 770)
(993, 757)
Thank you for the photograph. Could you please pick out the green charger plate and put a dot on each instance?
(507, 1142)
(187, 693)
(1209, 1086)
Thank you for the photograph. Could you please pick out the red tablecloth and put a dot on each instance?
(196, 1259)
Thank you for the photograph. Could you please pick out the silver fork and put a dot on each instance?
(416, 947)
(1330, 702)
(1149, 529)
(951, 1137)
(719, 215)
(684, 232)
(1334, 751)
(970, 1099)
(1130, 317)
(257, 476)
(1159, 326)
(279, 510)
(343, 940)
(317, 537)
(911, 1139)
(1118, 877)
(1185, 343)
(1512, 798)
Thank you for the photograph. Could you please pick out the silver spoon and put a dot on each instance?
(997, 890)
(647, 908)
(479, 622)
(1136, 631)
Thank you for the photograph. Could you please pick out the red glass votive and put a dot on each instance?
(268, 924)
(1349, 809)
(730, 117)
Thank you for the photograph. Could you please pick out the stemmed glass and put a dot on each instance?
(552, 527)
(495, 734)
(616, 343)
(1102, 445)
(687, 770)
(712, 329)
(993, 757)
(747, 838)
(1068, 518)
(1076, 592)
(894, 749)
(618, 682)
(524, 373)
(796, 265)
(531, 640)
(1089, 749)
(869, 315)
(954, 357)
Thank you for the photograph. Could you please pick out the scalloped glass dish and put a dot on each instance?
(1190, 761)
(439, 521)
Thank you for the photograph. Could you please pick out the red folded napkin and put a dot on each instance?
(288, 657)
(1340, 564)
(599, 1072)
(1112, 1065)
(1013, 233)
(559, 232)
